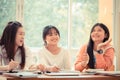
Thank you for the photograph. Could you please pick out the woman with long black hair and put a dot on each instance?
(98, 53)
(13, 54)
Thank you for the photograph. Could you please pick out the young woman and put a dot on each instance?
(13, 54)
(98, 53)
(53, 57)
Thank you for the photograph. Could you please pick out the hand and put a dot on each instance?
(54, 69)
(33, 67)
(102, 45)
(41, 67)
(12, 65)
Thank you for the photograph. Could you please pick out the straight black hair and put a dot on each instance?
(8, 41)
(90, 46)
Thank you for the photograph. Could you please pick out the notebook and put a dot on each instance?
(64, 73)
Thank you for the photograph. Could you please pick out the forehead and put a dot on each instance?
(52, 30)
(97, 27)
(20, 29)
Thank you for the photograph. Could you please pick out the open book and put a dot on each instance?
(64, 73)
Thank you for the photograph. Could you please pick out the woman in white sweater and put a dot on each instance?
(13, 54)
(53, 57)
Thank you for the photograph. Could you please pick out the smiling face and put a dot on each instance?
(52, 38)
(20, 37)
(98, 34)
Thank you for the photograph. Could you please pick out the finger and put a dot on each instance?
(56, 69)
(85, 54)
(85, 49)
(107, 42)
(11, 60)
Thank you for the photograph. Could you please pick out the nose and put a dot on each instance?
(95, 32)
(23, 36)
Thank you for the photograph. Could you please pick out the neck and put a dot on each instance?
(16, 47)
(54, 49)
(95, 45)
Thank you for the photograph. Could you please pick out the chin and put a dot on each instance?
(20, 44)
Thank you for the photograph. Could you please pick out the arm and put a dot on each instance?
(3, 68)
(67, 61)
(82, 59)
(105, 60)
(12, 65)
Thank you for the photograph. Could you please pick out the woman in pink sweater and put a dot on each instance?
(98, 53)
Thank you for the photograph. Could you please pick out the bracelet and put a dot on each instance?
(100, 51)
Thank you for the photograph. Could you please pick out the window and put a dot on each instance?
(73, 18)
(84, 16)
(7, 12)
(41, 14)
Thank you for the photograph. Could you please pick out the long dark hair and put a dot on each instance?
(91, 43)
(47, 30)
(8, 41)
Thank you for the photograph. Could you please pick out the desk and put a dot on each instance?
(81, 77)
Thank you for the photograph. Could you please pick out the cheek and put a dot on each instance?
(91, 35)
(103, 35)
(17, 40)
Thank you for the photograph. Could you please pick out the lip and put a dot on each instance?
(96, 36)
(21, 41)
(54, 39)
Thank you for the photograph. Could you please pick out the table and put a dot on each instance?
(81, 77)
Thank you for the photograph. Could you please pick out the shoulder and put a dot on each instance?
(83, 47)
(28, 50)
(42, 50)
(2, 50)
(64, 50)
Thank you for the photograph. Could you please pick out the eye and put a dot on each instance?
(22, 33)
(56, 33)
(93, 30)
(49, 34)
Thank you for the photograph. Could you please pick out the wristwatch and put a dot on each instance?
(100, 51)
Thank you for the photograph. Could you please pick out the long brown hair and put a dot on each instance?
(8, 41)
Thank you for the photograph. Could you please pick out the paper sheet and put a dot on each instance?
(2, 78)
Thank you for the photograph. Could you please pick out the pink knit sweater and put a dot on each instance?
(103, 61)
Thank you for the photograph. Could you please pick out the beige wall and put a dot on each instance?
(105, 13)
(109, 13)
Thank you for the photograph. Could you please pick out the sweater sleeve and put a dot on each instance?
(29, 58)
(79, 60)
(105, 61)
